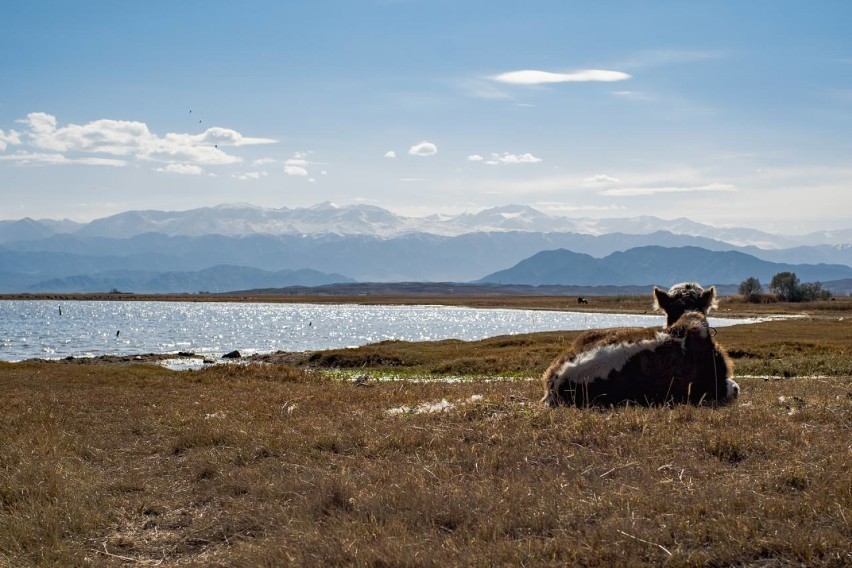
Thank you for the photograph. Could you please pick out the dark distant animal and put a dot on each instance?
(646, 366)
(582, 300)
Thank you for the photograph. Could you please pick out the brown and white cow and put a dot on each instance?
(679, 364)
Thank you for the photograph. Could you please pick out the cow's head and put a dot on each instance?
(684, 297)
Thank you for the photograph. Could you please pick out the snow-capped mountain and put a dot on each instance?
(366, 220)
(242, 219)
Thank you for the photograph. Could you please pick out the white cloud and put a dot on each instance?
(601, 178)
(559, 207)
(535, 77)
(390, 154)
(638, 96)
(507, 158)
(483, 89)
(522, 159)
(264, 161)
(323, 173)
(185, 169)
(40, 122)
(637, 191)
(180, 148)
(59, 160)
(423, 149)
(133, 139)
(116, 137)
(227, 137)
(11, 137)
(475, 158)
(250, 175)
(295, 171)
(298, 165)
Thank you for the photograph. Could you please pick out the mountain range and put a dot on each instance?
(208, 248)
(367, 220)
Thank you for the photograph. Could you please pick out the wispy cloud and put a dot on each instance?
(250, 175)
(424, 148)
(635, 96)
(601, 178)
(559, 207)
(297, 160)
(298, 165)
(7, 138)
(483, 88)
(637, 191)
(54, 159)
(506, 158)
(536, 77)
(390, 154)
(185, 169)
(295, 171)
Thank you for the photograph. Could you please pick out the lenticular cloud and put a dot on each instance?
(536, 77)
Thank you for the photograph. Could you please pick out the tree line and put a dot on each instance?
(786, 287)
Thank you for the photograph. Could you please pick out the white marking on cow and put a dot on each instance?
(600, 361)
(733, 389)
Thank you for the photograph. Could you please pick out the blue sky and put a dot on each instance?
(729, 113)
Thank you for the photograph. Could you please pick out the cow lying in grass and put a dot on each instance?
(680, 364)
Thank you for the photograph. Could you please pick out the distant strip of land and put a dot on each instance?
(606, 299)
(381, 293)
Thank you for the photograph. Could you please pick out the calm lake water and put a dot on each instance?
(55, 329)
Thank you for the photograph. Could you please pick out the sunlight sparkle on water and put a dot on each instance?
(35, 329)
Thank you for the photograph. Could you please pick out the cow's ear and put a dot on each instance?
(707, 301)
(661, 299)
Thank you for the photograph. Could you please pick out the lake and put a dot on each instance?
(48, 329)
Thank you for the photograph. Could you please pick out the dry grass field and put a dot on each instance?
(289, 461)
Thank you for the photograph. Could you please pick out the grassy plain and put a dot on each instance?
(289, 461)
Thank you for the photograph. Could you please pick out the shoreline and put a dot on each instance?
(730, 305)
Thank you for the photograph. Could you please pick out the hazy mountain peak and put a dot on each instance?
(323, 206)
(235, 206)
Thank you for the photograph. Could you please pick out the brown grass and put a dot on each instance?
(270, 465)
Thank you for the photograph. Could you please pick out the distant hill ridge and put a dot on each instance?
(654, 265)
(642, 267)
(216, 279)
